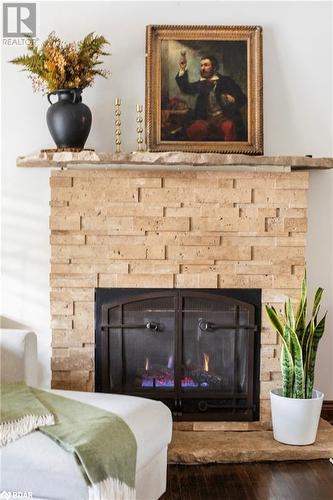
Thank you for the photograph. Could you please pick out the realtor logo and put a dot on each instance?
(19, 19)
(5, 494)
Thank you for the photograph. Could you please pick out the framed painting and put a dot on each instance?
(204, 89)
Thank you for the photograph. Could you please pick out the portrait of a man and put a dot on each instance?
(204, 89)
(204, 103)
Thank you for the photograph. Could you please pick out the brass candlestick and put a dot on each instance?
(117, 103)
(139, 127)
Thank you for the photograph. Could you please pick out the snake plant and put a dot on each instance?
(300, 339)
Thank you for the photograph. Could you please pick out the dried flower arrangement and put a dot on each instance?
(60, 65)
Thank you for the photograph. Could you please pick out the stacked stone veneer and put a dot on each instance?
(125, 228)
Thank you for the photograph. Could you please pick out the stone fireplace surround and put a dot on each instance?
(118, 227)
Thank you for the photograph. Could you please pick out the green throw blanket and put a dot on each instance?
(21, 412)
(102, 443)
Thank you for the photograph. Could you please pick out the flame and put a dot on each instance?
(206, 362)
(147, 364)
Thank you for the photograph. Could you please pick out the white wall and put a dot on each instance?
(298, 120)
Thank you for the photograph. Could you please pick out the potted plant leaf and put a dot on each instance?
(63, 70)
(296, 406)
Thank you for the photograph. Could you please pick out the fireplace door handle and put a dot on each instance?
(150, 325)
(206, 326)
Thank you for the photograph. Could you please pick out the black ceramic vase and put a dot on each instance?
(69, 120)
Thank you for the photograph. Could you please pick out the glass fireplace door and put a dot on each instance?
(139, 344)
(217, 342)
(198, 351)
(149, 345)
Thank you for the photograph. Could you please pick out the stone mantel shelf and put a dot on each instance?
(171, 160)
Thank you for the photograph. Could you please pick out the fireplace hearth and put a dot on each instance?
(196, 350)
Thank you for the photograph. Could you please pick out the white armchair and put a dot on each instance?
(37, 464)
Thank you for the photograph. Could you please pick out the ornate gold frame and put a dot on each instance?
(253, 35)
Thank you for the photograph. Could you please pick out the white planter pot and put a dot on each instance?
(295, 421)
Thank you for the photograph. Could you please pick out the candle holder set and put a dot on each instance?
(139, 125)
(117, 122)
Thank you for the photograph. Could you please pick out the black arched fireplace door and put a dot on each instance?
(196, 350)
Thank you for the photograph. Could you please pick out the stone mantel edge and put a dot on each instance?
(177, 161)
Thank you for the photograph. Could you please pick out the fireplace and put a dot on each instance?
(156, 228)
(196, 350)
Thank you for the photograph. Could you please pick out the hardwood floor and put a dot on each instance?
(306, 480)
